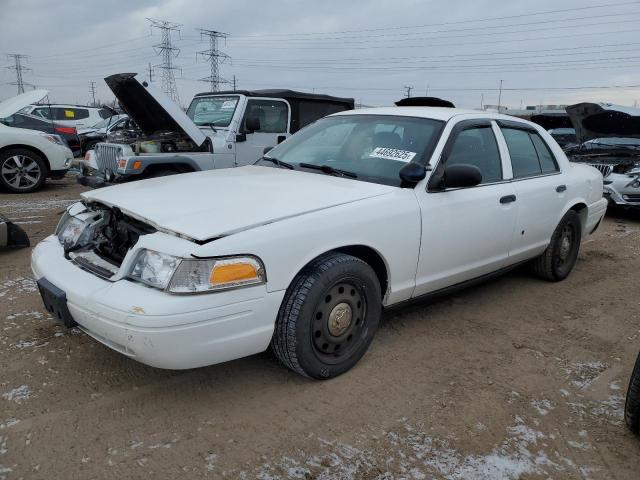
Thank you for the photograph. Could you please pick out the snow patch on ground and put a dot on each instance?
(542, 406)
(413, 454)
(211, 462)
(9, 422)
(582, 374)
(17, 285)
(18, 394)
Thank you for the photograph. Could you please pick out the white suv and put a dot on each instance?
(29, 157)
(70, 115)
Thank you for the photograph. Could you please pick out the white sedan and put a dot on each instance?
(359, 211)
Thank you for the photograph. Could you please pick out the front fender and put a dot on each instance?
(143, 163)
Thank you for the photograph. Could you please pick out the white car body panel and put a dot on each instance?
(58, 156)
(14, 104)
(427, 241)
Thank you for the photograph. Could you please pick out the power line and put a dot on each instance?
(214, 56)
(168, 52)
(19, 68)
(458, 22)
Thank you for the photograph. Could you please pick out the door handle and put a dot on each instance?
(508, 199)
(561, 188)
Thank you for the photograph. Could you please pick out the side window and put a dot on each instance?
(273, 115)
(530, 156)
(547, 160)
(477, 146)
(80, 113)
(43, 112)
(104, 113)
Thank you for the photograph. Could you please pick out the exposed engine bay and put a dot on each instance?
(99, 238)
(159, 142)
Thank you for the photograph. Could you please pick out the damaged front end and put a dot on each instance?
(609, 140)
(98, 238)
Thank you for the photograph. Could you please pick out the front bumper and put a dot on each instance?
(619, 190)
(156, 328)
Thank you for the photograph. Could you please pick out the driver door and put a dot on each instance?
(466, 232)
(274, 116)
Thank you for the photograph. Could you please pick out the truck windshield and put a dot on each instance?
(215, 111)
(372, 148)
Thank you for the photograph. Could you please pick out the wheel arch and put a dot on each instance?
(367, 254)
(582, 210)
(30, 148)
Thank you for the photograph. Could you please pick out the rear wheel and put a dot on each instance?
(22, 171)
(328, 317)
(557, 261)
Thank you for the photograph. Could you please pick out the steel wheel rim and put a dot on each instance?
(21, 172)
(566, 244)
(339, 322)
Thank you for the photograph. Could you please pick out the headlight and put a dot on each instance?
(154, 268)
(177, 275)
(57, 139)
(215, 274)
(71, 232)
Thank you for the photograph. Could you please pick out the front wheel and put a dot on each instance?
(328, 317)
(557, 261)
(22, 171)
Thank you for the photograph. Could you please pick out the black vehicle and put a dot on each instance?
(31, 122)
(559, 126)
(565, 137)
(632, 405)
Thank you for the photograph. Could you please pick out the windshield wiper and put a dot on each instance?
(277, 162)
(328, 169)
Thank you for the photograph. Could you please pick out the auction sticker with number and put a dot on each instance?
(393, 154)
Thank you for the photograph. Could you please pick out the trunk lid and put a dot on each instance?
(14, 104)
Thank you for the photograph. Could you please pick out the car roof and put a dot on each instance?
(435, 113)
(64, 105)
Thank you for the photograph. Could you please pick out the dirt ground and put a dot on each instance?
(516, 378)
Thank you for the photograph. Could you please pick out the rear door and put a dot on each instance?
(275, 116)
(466, 232)
(538, 185)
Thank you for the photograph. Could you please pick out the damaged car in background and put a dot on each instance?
(609, 140)
(362, 210)
(219, 130)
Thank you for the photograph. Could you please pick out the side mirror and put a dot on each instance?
(461, 175)
(252, 124)
(267, 150)
(412, 173)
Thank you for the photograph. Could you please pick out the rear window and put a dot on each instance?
(530, 155)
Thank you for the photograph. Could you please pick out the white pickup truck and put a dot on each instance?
(219, 130)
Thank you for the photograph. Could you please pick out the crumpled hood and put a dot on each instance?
(604, 120)
(216, 203)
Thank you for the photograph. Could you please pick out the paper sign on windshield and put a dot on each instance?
(393, 154)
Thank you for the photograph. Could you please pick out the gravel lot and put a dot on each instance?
(516, 378)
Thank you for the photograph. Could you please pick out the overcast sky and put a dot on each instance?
(543, 50)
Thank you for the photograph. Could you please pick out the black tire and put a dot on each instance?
(328, 317)
(632, 405)
(22, 171)
(165, 172)
(559, 258)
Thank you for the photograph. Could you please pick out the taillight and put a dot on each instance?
(68, 130)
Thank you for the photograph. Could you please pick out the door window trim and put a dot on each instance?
(282, 100)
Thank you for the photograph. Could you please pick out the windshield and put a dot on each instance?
(213, 111)
(373, 147)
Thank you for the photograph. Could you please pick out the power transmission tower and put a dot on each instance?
(168, 52)
(92, 87)
(19, 68)
(214, 56)
(408, 89)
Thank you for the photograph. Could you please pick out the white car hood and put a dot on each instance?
(14, 104)
(217, 203)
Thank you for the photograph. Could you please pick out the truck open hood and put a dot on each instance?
(14, 104)
(604, 120)
(216, 203)
(150, 108)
